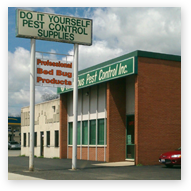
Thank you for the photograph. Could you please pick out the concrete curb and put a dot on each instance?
(115, 164)
(13, 176)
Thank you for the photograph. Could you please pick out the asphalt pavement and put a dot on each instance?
(60, 169)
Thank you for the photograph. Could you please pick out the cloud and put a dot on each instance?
(97, 53)
(19, 80)
(151, 29)
(118, 31)
(48, 10)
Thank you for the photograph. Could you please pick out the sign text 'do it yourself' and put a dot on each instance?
(54, 27)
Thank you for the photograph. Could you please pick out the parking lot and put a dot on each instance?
(12, 153)
(60, 169)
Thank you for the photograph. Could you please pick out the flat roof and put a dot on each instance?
(137, 53)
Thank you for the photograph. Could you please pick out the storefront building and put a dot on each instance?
(128, 108)
(46, 131)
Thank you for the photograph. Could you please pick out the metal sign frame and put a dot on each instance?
(35, 24)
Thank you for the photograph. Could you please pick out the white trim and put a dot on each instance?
(89, 145)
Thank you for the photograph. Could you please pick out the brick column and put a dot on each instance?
(63, 126)
(116, 120)
(157, 109)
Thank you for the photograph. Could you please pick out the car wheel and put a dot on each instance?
(169, 165)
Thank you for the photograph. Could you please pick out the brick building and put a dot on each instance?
(128, 108)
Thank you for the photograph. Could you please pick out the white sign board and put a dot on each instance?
(54, 27)
(53, 73)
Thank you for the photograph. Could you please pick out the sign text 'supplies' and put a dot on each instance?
(54, 27)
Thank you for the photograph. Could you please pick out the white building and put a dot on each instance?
(46, 137)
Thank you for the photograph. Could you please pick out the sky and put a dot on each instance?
(116, 31)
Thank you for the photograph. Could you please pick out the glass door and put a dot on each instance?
(130, 146)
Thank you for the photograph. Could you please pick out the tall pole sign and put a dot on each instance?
(60, 28)
(32, 105)
(75, 107)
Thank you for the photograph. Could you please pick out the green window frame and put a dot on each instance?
(70, 133)
(92, 132)
(101, 134)
(84, 132)
(78, 133)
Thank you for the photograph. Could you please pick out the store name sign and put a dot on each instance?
(112, 71)
(53, 27)
(53, 73)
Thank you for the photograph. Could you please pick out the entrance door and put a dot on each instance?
(130, 146)
(41, 143)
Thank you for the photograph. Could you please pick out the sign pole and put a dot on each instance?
(32, 104)
(75, 107)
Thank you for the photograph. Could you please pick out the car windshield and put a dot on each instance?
(13, 143)
(179, 149)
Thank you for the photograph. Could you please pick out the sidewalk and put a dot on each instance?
(13, 176)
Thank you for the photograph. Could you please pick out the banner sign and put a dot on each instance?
(14, 120)
(109, 72)
(53, 73)
(54, 27)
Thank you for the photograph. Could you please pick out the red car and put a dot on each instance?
(171, 158)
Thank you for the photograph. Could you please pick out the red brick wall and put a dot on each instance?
(116, 120)
(92, 153)
(100, 153)
(84, 153)
(157, 109)
(70, 152)
(63, 126)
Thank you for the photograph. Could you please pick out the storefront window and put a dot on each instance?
(130, 147)
(84, 132)
(70, 133)
(92, 132)
(100, 132)
(78, 134)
